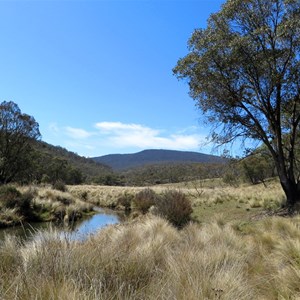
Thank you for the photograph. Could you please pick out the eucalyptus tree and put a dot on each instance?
(243, 70)
(17, 131)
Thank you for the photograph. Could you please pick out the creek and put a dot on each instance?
(78, 230)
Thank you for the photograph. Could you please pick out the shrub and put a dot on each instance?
(59, 185)
(175, 207)
(144, 200)
(24, 204)
(125, 200)
(9, 196)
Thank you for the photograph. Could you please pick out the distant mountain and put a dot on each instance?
(119, 162)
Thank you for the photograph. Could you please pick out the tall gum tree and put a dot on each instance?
(17, 131)
(243, 70)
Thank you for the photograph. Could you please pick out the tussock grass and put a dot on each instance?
(148, 258)
(9, 217)
(104, 196)
(19, 204)
(225, 257)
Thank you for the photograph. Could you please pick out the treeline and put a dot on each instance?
(171, 173)
(255, 168)
(26, 159)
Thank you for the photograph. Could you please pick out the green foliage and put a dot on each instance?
(17, 131)
(232, 173)
(171, 173)
(257, 168)
(243, 72)
(52, 163)
(109, 179)
(144, 199)
(175, 207)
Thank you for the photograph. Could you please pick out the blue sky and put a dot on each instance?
(97, 75)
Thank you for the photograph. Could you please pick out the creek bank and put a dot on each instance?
(75, 230)
(19, 205)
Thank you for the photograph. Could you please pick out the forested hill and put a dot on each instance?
(58, 163)
(148, 157)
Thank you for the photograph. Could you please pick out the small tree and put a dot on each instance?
(17, 130)
(257, 168)
(244, 72)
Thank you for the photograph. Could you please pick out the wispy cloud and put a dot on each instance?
(111, 137)
(78, 133)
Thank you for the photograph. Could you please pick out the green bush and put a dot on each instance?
(144, 200)
(175, 207)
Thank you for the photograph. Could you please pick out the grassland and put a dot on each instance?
(208, 197)
(235, 249)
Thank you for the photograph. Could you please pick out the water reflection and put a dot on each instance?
(91, 225)
(79, 230)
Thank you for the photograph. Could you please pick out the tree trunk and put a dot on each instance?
(292, 192)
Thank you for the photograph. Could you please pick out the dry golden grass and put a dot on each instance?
(225, 257)
(149, 259)
(104, 196)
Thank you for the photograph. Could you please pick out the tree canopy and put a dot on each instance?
(243, 71)
(17, 130)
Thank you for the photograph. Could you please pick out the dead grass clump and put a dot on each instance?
(276, 247)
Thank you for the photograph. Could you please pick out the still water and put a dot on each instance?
(79, 230)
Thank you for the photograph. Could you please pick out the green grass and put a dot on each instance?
(230, 209)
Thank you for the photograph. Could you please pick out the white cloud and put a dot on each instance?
(77, 133)
(136, 135)
(120, 128)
